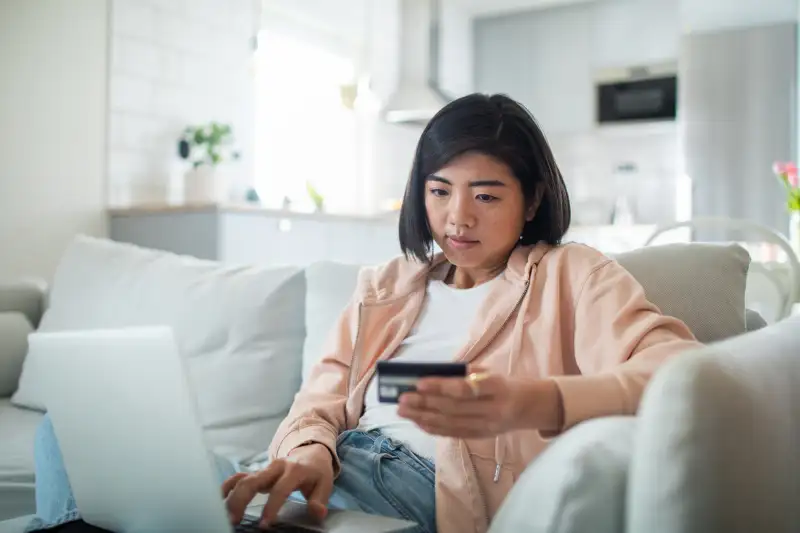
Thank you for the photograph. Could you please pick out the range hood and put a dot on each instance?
(417, 97)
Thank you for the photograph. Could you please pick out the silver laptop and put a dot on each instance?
(125, 418)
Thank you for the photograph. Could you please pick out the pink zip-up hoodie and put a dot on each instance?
(566, 313)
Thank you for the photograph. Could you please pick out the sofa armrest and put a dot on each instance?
(718, 439)
(28, 297)
(21, 307)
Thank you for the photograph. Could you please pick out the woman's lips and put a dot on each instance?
(459, 243)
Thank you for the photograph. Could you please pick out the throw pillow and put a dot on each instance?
(240, 328)
(701, 284)
(329, 288)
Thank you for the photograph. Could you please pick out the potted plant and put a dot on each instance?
(206, 147)
(788, 175)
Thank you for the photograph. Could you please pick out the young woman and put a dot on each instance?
(554, 335)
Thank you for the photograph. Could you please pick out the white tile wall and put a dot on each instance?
(175, 63)
(589, 164)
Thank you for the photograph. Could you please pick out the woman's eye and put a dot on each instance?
(486, 198)
(439, 192)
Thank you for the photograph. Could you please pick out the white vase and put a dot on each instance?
(204, 184)
(794, 231)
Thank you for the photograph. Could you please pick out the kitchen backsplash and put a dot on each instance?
(631, 168)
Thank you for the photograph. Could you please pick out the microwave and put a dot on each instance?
(638, 94)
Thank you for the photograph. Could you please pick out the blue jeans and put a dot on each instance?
(379, 476)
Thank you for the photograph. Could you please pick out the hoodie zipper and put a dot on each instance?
(497, 465)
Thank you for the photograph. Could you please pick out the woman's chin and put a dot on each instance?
(464, 258)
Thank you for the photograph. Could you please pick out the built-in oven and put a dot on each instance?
(637, 94)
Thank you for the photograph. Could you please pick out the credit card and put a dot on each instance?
(396, 378)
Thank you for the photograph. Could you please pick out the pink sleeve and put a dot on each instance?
(620, 339)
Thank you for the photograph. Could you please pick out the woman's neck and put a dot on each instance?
(467, 278)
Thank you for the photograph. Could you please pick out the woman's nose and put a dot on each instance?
(460, 211)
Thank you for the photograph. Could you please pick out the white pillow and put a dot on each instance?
(241, 328)
(576, 485)
(329, 287)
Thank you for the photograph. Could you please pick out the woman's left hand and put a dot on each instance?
(483, 405)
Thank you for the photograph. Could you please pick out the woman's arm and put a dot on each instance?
(317, 415)
(620, 339)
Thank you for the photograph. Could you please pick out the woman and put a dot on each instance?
(562, 334)
(554, 335)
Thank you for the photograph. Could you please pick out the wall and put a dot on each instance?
(53, 58)
(175, 64)
(370, 32)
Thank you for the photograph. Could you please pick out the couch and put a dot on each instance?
(715, 441)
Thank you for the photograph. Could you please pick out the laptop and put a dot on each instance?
(126, 421)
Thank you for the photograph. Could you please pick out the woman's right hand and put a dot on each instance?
(308, 469)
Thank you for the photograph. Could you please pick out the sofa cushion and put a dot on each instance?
(700, 284)
(240, 328)
(329, 287)
(718, 445)
(575, 485)
(14, 330)
(17, 431)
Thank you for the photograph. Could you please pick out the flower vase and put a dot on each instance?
(204, 184)
(794, 231)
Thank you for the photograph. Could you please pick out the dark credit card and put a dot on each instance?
(395, 378)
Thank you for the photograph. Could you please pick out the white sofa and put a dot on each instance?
(250, 335)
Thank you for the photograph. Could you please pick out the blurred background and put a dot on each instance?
(282, 131)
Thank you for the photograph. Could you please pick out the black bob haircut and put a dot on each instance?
(499, 127)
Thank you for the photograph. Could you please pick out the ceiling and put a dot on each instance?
(482, 8)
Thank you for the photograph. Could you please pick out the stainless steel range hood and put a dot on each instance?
(417, 97)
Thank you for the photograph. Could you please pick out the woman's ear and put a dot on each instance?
(536, 201)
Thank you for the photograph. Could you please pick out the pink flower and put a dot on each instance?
(787, 172)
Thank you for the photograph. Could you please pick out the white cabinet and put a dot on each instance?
(258, 236)
(635, 32)
(543, 59)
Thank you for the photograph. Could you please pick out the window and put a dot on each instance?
(305, 133)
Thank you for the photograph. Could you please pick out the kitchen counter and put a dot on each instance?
(246, 208)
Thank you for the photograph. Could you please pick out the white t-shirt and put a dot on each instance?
(440, 332)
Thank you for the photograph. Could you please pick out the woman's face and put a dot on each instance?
(476, 211)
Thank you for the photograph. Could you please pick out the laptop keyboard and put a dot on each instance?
(250, 525)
